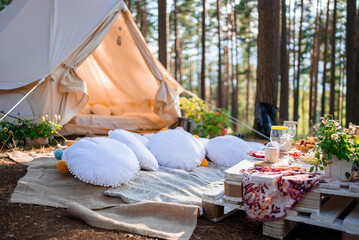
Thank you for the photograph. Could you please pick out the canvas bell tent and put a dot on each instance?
(88, 63)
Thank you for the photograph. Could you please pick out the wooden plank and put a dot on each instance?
(234, 173)
(232, 189)
(336, 225)
(348, 236)
(212, 211)
(270, 230)
(216, 211)
(354, 188)
(214, 194)
(232, 200)
(331, 210)
(352, 220)
(341, 192)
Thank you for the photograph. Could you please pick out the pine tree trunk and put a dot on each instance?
(294, 44)
(246, 118)
(138, 14)
(129, 4)
(219, 81)
(210, 95)
(175, 20)
(203, 65)
(268, 52)
(226, 65)
(162, 32)
(190, 77)
(325, 58)
(235, 78)
(144, 23)
(313, 70)
(332, 64)
(284, 78)
(315, 98)
(180, 61)
(297, 85)
(352, 63)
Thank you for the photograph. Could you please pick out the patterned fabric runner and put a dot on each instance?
(268, 192)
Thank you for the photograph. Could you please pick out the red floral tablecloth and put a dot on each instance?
(268, 192)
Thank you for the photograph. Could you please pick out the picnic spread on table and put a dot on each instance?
(285, 184)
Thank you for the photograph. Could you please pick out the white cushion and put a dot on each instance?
(149, 135)
(100, 109)
(142, 139)
(177, 149)
(255, 146)
(101, 161)
(227, 150)
(116, 110)
(86, 109)
(144, 156)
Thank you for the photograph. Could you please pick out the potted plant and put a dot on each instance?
(38, 133)
(338, 148)
(207, 123)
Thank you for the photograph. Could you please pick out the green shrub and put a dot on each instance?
(209, 123)
(14, 133)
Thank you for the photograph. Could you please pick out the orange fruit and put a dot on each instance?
(204, 163)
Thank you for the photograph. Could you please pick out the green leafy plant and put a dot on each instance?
(13, 133)
(333, 139)
(209, 123)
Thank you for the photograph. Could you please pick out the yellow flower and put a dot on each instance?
(5, 129)
(204, 163)
(62, 167)
(43, 119)
(335, 136)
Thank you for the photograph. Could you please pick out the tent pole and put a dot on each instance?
(22, 99)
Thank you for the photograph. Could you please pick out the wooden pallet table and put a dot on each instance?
(333, 205)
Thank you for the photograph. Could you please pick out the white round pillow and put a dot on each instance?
(255, 146)
(144, 156)
(227, 150)
(177, 149)
(100, 109)
(101, 161)
(142, 139)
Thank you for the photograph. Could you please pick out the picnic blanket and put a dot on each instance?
(268, 192)
(152, 216)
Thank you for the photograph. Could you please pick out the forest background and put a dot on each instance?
(298, 55)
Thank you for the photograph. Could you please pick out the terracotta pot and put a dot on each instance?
(37, 141)
(338, 169)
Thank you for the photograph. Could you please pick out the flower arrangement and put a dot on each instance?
(13, 133)
(209, 123)
(333, 139)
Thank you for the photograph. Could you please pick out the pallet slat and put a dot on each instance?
(331, 210)
(352, 220)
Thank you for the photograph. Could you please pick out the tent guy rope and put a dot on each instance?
(22, 99)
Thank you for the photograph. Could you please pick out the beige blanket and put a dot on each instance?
(44, 185)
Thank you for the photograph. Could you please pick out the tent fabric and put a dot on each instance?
(89, 55)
